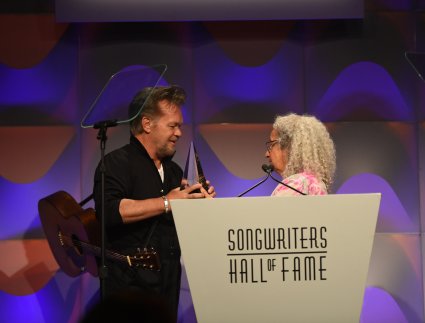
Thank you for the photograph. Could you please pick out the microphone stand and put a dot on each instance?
(288, 186)
(103, 270)
(269, 168)
(251, 188)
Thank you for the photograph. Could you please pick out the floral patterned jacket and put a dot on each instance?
(304, 182)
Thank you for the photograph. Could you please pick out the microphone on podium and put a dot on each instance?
(265, 168)
(269, 168)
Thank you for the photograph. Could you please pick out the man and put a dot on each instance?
(140, 180)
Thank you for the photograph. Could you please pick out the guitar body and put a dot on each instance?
(74, 236)
(63, 219)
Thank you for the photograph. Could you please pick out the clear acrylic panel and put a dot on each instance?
(111, 105)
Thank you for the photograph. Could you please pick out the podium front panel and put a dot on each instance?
(275, 259)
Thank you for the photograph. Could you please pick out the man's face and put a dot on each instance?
(166, 129)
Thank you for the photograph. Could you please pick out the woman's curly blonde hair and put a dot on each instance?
(310, 147)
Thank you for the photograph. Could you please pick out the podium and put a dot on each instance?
(277, 259)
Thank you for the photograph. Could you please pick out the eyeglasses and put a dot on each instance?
(270, 144)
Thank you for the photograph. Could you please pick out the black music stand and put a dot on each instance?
(111, 109)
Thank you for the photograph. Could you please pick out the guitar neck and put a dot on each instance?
(94, 250)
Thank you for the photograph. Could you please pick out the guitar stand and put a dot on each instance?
(103, 270)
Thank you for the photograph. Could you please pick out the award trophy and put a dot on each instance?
(193, 172)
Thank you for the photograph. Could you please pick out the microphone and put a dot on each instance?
(264, 167)
(269, 168)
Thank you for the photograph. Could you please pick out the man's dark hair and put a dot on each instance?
(149, 98)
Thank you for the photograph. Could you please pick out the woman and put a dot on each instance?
(301, 150)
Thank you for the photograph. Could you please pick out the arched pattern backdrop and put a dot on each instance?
(351, 74)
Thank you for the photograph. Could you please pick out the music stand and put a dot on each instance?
(111, 109)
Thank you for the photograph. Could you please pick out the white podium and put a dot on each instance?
(277, 259)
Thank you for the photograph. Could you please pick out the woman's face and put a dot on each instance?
(277, 157)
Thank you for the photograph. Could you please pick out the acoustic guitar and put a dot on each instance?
(73, 234)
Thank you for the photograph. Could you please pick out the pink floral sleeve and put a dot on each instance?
(304, 182)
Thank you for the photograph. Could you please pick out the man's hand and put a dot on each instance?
(211, 191)
(187, 192)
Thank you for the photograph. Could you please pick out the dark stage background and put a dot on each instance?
(351, 73)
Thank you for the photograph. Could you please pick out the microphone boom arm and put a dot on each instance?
(259, 183)
(288, 186)
(269, 168)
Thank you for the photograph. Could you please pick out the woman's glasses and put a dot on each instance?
(270, 144)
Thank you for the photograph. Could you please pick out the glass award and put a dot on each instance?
(193, 172)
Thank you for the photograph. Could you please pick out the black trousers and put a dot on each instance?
(162, 286)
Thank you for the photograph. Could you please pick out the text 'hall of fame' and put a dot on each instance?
(263, 255)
